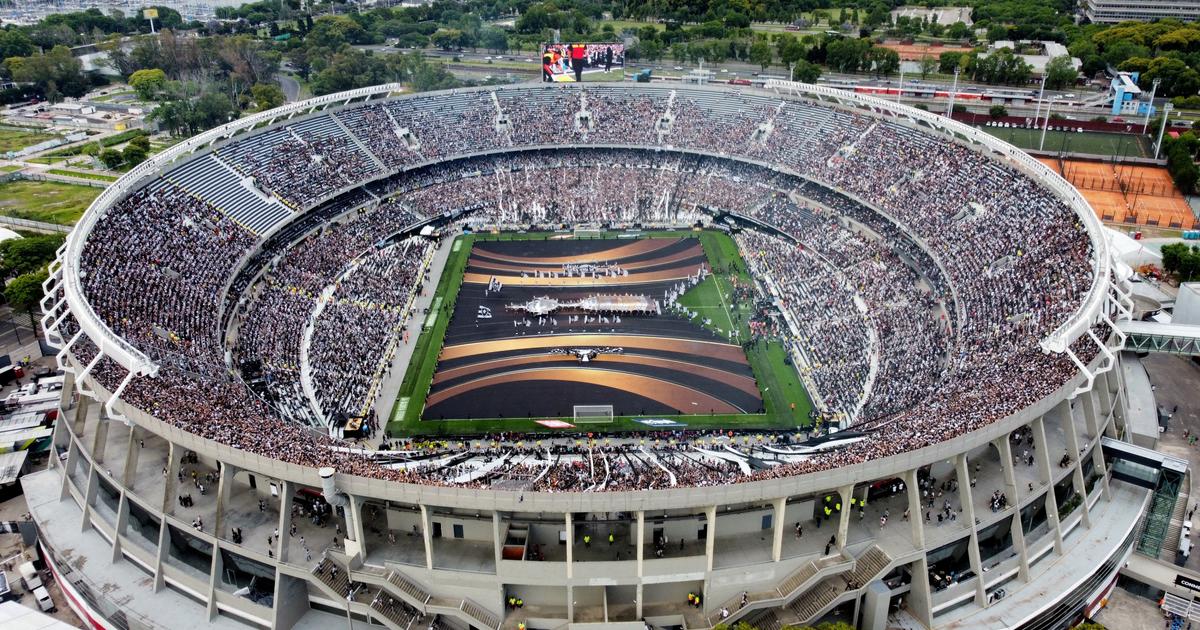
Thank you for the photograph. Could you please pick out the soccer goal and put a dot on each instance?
(588, 231)
(593, 414)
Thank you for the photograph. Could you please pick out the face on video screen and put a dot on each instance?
(566, 63)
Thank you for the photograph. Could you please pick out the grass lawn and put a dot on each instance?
(15, 139)
(49, 202)
(777, 380)
(1075, 142)
(82, 174)
(8, 168)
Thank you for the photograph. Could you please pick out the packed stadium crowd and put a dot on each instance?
(927, 326)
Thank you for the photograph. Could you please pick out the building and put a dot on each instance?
(940, 15)
(1114, 11)
(1036, 54)
(1047, 499)
(1127, 97)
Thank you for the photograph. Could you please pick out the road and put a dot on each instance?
(291, 87)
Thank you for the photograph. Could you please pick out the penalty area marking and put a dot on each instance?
(432, 317)
(401, 408)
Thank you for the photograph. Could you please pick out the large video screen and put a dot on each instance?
(566, 63)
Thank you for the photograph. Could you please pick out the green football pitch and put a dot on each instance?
(785, 400)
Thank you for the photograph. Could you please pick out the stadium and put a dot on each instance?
(611, 355)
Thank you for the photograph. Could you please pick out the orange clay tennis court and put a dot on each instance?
(915, 52)
(1133, 195)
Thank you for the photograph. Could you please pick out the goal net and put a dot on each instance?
(593, 414)
(588, 231)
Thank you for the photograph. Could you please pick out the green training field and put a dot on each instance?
(1074, 142)
(15, 138)
(778, 382)
(46, 201)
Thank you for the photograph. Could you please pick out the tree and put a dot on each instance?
(790, 49)
(848, 55)
(148, 83)
(760, 53)
(25, 255)
(111, 158)
(334, 31)
(494, 39)
(447, 38)
(948, 62)
(267, 96)
(806, 72)
(928, 65)
(997, 111)
(56, 72)
(14, 43)
(1183, 260)
(883, 61)
(133, 155)
(25, 291)
(958, 30)
(1060, 73)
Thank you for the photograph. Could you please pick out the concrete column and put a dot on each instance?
(67, 394)
(915, 511)
(498, 542)
(1068, 423)
(356, 538)
(710, 515)
(1101, 469)
(1116, 383)
(164, 544)
(570, 526)
(122, 523)
(638, 603)
(214, 573)
(171, 487)
(89, 497)
(920, 597)
(79, 416)
(63, 491)
(1018, 541)
(1104, 395)
(965, 495)
(1043, 459)
(968, 508)
(1004, 450)
(875, 606)
(780, 513)
(225, 474)
(133, 450)
(285, 520)
(1091, 415)
(641, 541)
(570, 604)
(845, 492)
(100, 439)
(427, 535)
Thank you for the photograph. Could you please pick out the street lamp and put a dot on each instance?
(1150, 107)
(1047, 125)
(1162, 128)
(953, 91)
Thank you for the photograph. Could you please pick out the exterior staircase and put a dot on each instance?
(335, 577)
(796, 582)
(811, 604)
(1175, 527)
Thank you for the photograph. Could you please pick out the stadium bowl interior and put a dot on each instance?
(948, 300)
